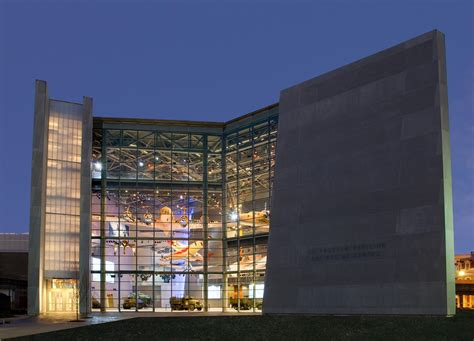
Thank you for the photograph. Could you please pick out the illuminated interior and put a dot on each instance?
(62, 295)
(181, 214)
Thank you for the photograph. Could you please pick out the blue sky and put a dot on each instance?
(205, 60)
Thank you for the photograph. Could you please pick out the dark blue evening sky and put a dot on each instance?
(209, 61)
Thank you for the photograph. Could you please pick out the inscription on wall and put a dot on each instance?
(347, 252)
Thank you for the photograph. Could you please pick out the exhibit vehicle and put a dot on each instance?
(185, 303)
(95, 303)
(245, 303)
(132, 302)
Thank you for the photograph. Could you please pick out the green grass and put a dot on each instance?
(460, 327)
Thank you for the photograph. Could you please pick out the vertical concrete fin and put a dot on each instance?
(37, 198)
(447, 179)
(85, 214)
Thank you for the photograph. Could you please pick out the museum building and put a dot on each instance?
(161, 215)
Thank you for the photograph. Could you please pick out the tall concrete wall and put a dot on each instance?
(361, 214)
(85, 218)
(38, 198)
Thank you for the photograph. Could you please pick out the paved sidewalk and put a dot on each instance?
(24, 325)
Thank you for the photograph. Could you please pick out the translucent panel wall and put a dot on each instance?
(63, 174)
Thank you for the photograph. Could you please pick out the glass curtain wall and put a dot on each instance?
(157, 221)
(249, 169)
(181, 220)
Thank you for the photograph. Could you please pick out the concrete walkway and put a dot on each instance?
(24, 325)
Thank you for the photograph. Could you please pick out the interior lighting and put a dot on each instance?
(140, 163)
(98, 166)
(461, 273)
(233, 216)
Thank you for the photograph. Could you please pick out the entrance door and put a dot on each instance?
(61, 295)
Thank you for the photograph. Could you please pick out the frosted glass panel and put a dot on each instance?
(63, 188)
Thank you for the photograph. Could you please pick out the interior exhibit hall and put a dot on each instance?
(181, 212)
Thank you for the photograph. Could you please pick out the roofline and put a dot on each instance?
(250, 114)
(151, 121)
(63, 101)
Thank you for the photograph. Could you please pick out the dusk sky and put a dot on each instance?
(210, 61)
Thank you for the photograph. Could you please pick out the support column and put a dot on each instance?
(103, 195)
(85, 217)
(224, 226)
(37, 199)
(205, 226)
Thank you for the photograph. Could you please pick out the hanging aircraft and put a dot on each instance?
(179, 265)
(246, 219)
(247, 262)
(181, 251)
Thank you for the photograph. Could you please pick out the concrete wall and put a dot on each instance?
(85, 219)
(361, 214)
(38, 198)
(14, 242)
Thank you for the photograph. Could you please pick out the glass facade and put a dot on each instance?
(181, 214)
(249, 167)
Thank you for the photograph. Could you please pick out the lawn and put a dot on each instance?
(460, 327)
